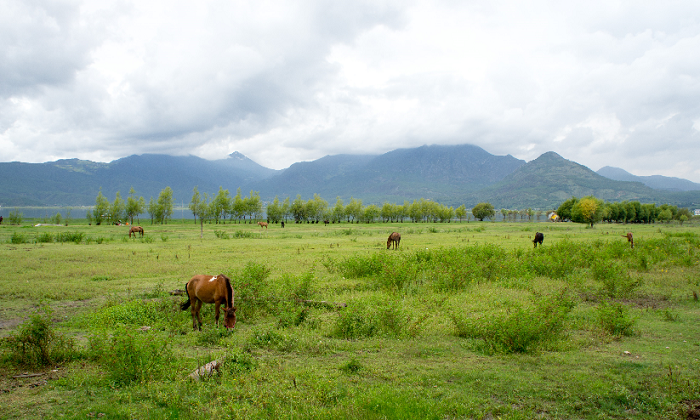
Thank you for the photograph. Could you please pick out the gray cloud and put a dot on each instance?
(600, 83)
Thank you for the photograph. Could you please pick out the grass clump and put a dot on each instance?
(614, 318)
(376, 317)
(36, 343)
(519, 329)
(132, 356)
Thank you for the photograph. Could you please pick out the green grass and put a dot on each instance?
(465, 320)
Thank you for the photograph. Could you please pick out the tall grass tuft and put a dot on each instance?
(36, 343)
(520, 329)
(130, 356)
(614, 318)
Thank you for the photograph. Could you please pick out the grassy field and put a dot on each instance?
(465, 320)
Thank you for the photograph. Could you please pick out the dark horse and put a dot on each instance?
(629, 239)
(135, 230)
(539, 237)
(395, 239)
(203, 288)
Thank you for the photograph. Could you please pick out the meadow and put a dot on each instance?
(464, 321)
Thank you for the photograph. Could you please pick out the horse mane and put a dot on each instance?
(229, 290)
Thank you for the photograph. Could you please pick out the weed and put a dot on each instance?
(614, 318)
(18, 238)
(519, 329)
(132, 356)
(37, 344)
(164, 237)
(352, 366)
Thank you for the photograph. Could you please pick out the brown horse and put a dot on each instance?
(263, 224)
(135, 230)
(395, 239)
(203, 288)
(629, 238)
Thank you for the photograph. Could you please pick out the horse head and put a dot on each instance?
(230, 318)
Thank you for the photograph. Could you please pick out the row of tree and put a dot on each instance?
(592, 210)
(160, 210)
(217, 208)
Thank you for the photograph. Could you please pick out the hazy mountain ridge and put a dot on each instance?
(451, 175)
(658, 182)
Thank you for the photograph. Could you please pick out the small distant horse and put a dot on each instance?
(325, 222)
(394, 239)
(0, 220)
(629, 239)
(203, 288)
(539, 237)
(282, 223)
(263, 224)
(135, 230)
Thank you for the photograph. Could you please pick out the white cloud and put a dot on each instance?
(601, 83)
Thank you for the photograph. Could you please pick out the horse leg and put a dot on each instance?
(196, 316)
(216, 313)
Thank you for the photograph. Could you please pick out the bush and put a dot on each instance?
(37, 344)
(616, 280)
(18, 238)
(614, 318)
(375, 317)
(521, 329)
(132, 356)
(16, 217)
(253, 296)
(45, 237)
(76, 237)
(135, 313)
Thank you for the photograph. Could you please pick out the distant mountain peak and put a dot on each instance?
(238, 156)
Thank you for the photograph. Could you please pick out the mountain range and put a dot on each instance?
(451, 175)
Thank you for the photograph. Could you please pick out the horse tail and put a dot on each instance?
(186, 305)
(229, 292)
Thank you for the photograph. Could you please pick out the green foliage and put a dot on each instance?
(518, 329)
(376, 317)
(615, 277)
(15, 217)
(351, 367)
(18, 238)
(133, 313)
(483, 210)
(36, 343)
(273, 339)
(130, 356)
(253, 294)
(615, 319)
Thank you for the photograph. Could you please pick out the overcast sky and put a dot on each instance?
(600, 82)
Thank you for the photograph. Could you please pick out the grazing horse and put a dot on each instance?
(395, 239)
(629, 239)
(282, 223)
(263, 224)
(203, 288)
(135, 230)
(539, 237)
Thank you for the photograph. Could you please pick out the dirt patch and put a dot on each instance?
(692, 409)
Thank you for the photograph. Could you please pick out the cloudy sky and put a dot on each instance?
(599, 82)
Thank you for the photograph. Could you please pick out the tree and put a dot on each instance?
(483, 210)
(200, 207)
(504, 212)
(116, 210)
(165, 204)
(354, 209)
(461, 212)
(587, 210)
(274, 210)
(338, 211)
(564, 210)
(153, 210)
(220, 204)
(194, 203)
(134, 207)
(101, 209)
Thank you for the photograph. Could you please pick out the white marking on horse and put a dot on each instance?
(213, 278)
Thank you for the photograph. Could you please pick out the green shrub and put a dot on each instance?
(253, 296)
(273, 339)
(375, 316)
(519, 329)
(615, 277)
(237, 361)
(134, 313)
(36, 343)
(614, 318)
(76, 237)
(132, 356)
(45, 237)
(18, 238)
(15, 217)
